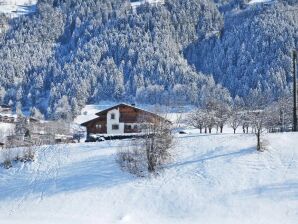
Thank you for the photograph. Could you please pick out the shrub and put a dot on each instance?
(132, 161)
(7, 158)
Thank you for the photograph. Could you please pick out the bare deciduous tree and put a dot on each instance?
(151, 151)
(157, 142)
(258, 121)
(235, 120)
(197, 119)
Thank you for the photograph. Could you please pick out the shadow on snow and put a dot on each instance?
(98, 172)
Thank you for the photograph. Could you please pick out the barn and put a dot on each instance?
(121, 119)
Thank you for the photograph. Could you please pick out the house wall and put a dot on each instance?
(134, 128)
(116, 121)
(92, 127)
(124, 115)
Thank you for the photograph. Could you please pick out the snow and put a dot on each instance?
(89, 111)
(5, 130)
(218, 178)
(260, 1)
(16, 8)
(140, 2)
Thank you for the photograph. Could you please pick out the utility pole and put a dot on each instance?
(294, 91)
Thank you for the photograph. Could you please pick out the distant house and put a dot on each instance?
(5, 109)
(8, 118)
(120, 120)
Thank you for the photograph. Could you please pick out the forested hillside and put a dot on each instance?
(253, 50)
(73, 52)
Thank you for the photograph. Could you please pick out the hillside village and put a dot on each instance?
(18, 130)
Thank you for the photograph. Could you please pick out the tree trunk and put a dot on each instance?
(221, 128)
(234, 130)
(150, 156)
(259, 141)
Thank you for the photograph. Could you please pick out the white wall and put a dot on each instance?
(110, 122)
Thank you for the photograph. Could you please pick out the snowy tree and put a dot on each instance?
(197, 119)
(259, 120)
(35, 113)
(63, 109)
(235, 120)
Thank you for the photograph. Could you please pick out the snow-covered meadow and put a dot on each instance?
(218, 178)
(17, 7)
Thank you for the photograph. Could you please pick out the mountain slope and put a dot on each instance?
(70, 53)
(93, 50)
(252, 51)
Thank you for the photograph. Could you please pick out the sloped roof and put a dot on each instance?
(120, 105)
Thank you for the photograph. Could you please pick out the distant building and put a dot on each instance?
(120, 120)
(5, 109)
(8, 118)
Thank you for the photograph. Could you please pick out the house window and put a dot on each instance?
(115, 127)
(112, 116)
(128, 127)
(98, 126)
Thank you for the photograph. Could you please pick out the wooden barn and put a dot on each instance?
(122, 119)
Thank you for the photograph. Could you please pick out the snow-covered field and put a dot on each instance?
(17, 7)
(5, 129)
(217, 178)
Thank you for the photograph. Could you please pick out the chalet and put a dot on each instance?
(122, 119)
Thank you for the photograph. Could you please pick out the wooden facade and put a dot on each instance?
(120, 119)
